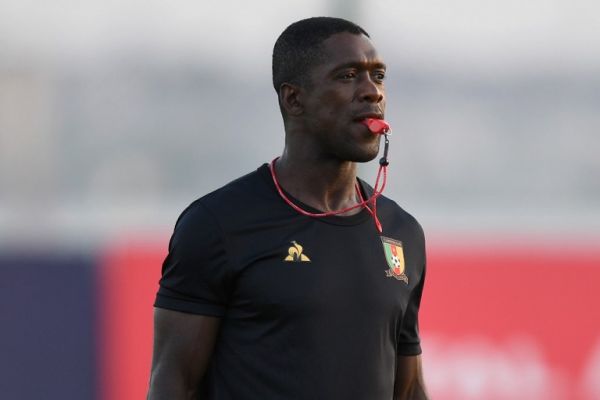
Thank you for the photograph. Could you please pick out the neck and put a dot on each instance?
(324, 184)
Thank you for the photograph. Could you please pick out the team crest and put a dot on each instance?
(394, 255)
(295, 253)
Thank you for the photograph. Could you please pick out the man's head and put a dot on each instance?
(298, 48)
(329, 78)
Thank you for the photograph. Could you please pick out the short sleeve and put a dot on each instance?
(409, 342)
(196, 274)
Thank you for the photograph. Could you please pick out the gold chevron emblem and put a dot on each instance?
(295, 253)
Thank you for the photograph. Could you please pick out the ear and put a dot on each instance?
(290, 99)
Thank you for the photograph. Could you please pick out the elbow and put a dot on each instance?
(169, 386)
(413, 391)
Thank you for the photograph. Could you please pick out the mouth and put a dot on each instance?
(374, 122)
(365, 116)
(377, 126)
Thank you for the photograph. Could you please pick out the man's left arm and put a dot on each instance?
(409, 384)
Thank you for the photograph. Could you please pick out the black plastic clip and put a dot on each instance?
(383, 161)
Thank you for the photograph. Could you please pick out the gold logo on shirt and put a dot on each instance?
(295, 253)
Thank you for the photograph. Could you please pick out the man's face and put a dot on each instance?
(345, 88)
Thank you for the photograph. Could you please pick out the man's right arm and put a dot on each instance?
(183, 346)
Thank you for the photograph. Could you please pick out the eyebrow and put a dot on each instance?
(361, 65)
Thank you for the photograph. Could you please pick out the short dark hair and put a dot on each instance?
(298, 47)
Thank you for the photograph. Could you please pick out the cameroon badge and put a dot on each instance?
(395, 259)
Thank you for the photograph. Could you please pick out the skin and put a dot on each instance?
(324, 141)
(183, 345)
(409, 384)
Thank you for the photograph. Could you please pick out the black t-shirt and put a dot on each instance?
(311, 308)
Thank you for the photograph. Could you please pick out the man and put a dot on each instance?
(267, 291)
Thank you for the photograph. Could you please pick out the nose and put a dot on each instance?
(371, 91)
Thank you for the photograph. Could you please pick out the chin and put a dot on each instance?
(365, 158)
(362, 155)
(357, 151)
(366, 153)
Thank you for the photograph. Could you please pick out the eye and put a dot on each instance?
(347, 75)
(379, 76)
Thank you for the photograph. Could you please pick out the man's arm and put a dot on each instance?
(183, 345)
(409, 383)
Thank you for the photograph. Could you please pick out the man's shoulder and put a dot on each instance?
(238, 196)
(242, 189)
(393, 207)
(391, 210)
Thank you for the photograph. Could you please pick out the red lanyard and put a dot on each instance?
(363, 203)
(377, 127)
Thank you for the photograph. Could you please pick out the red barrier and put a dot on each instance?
(498, 322)
(512, 322)
(128, 281)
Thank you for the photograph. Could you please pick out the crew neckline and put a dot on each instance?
(354, 219)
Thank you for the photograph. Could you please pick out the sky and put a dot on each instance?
(485, 34)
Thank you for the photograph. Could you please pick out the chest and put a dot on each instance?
(322, 272)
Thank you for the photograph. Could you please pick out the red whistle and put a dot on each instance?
(376, 126)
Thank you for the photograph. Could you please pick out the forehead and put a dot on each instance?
(343, 48)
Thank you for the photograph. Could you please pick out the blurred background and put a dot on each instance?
(115, 115)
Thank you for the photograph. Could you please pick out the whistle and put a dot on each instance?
(377, 126)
